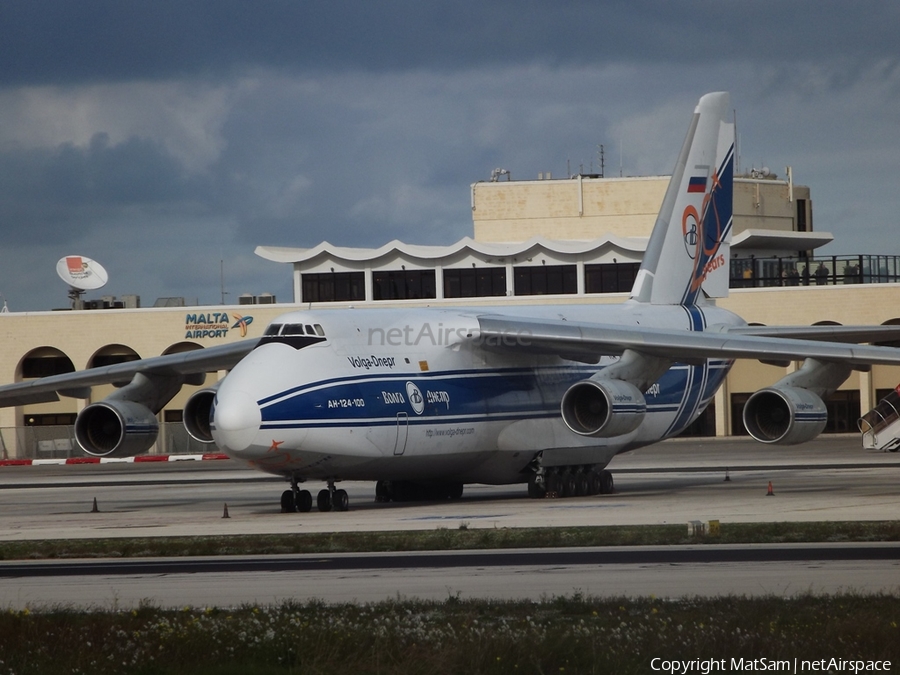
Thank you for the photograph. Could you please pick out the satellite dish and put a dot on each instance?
(82, 274)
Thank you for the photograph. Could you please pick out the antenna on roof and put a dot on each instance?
(82, 274)
(621, 153)
(222, 279)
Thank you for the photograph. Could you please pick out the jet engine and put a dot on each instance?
(197, 413)
(124, 424)
(784, 415)
(116, 428)
(792, 410)
(603, 407)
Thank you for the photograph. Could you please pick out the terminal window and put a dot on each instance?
(546, 280)
(610, 277)
(403, 284)
(477, 282)
(50, 420)
(102, 360)
(44, 366)
(333, 286)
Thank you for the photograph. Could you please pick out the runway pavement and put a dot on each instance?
(832, 478)
(669, 572)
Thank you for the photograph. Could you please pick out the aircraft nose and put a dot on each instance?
(237, 418)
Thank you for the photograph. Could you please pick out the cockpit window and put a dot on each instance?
(296, 335)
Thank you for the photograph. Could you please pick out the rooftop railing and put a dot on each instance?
(814, 271)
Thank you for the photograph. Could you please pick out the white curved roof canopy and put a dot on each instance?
(467, 245)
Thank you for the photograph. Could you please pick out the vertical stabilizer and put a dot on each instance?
(687, 255)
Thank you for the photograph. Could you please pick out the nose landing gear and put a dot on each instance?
(329, 499)
(292, 502)
(295, 499)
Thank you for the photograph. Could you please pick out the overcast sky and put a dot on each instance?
(162, 137)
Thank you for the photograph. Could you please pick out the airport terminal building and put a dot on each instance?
(572, 240)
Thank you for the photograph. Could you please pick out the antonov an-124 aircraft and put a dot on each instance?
(424, 400)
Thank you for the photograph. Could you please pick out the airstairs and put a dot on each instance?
(880, 426)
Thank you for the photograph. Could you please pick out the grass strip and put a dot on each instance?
(556, 635)
(442, 539)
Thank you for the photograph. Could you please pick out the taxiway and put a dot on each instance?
(667, 572)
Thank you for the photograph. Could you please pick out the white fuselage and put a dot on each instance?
(374, 394)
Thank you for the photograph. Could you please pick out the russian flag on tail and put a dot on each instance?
(697, 184)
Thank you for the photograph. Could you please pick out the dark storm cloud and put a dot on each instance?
(341, 159)
(60, 41)
(64, 191)
(162, 137)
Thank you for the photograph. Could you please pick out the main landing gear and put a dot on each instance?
(329, 499)
(570, 481)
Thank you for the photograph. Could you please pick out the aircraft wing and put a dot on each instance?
(587, 341)
(829, 333)
(47, 389)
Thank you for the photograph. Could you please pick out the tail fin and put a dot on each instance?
(688, 250)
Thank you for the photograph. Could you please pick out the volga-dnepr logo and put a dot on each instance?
(214, 325)
(416, 400)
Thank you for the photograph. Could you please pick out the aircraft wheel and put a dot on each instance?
(400, 491)
(568, 484)
(536, 490)
(407, 491)
(455, 490)
(341, 500)
(553, 485)
(304, 501)
(607, 485)
(287, 502)
(595, 483)
(381, 491)
(582, 487)
(323, 501)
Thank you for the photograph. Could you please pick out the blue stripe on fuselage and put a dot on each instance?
(470, 396)
(701, 382)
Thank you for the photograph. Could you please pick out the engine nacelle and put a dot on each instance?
(197, 413)
(115, 428)
(603, 407)
(784, 415)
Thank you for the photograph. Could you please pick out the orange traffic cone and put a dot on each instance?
(771, 492)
